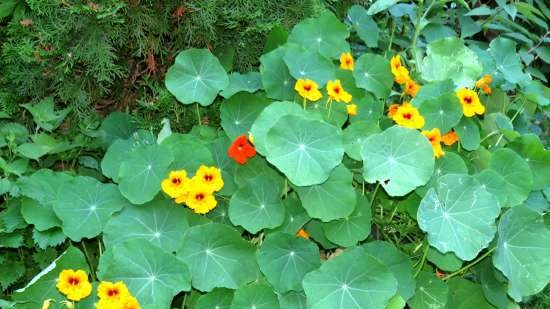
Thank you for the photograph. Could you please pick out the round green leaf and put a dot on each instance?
(239, 112)
(350, 230)
(142, 172)
(464, 294)
(218, 257)
(85, 205)
(325, 35)
(308, 64)
(255, 167)
(305, 150)
(523, 252)
(445, 261)
(293, 300)
(443, 113)
(459, 216)
(530, 147)
(333, 199)
(495, 184)
(42, 217)
(257, 205)
(179, 145)
(352, 280)
(256, 295)
(400, 159)
(507, 60)
(431, 292)
(116, 125)
(160, 222)
(369, 109)
(397, 262)
(295, 216)
(276, 79)
(196, 77)
(285, 259)
(516, 174)
(364, 25)
(450, 163)
(152, 275)
(219, 298)
(468, 133)
(249, 82)
(373, 73)
(355, 134)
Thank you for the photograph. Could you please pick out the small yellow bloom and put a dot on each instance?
(336, 92)
(302, 233)
(400, 73)
(346, 61)
(408, 116)
(449, 138)
(434, 136)
(74, 284)
(470, 102)
(392, 110)
(411, 88)
(176, 184)
(308, 89)
(351, 109)
(112, 291)
(130, 302)
(210, 176)
(200, 198)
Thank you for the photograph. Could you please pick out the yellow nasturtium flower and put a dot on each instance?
(411, 88)
(471, 104)
(434, 136)
(130, 302)
(74, 284)
(176, 184)
(400, 72)
(408, 116)
(200, 197)
(308, 89)
(351, 109)
(210, 176)
(392, 110)
(346, 61)
(337, 93)
(115, 296)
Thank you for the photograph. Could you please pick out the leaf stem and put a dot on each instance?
(92, 271)
(417, 30)
(479, 259)
(422, 261)
(374, 194)
(198, 113)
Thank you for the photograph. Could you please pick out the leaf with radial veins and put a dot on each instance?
(450, 163)
(305, 150)
(443, 112)
(85, 205)
(431, 292)
(196, 77)
(400, 159)
(306, 64)
(152, 275)
(351, 280)
(219, 298)
(285, 259)
(459, 216)
(255, 295)
(523, 251)
(239, 112)
(276, 79)
(350, 230)
(373, 73)
(364, 24)
(516, 173)
(180, 146)
(249, 82)
(160, 222)
(530, 147)
(218, 256)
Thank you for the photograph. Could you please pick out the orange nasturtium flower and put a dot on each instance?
(210, 176)
(483, 83)
(351, 109)
(74, 284)
(400, 72)
(471, 104)
(408, 116)
(449, 138)
(176, 184)
(308, 89)
(392, 110)
(337, 93)
(302, 233)
(241, 150)
(434, 136)
(411, 88)
(346, 61)
(200, 197)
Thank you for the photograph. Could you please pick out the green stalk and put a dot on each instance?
(449, 276)
(198, 113)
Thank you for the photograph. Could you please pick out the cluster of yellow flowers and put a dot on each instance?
(401, 76)
(74, 284)
(198, 192)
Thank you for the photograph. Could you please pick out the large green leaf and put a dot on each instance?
(507, 60)
(450, 163)
(293, 300)
(444, 261)
(45, 116)
(180, 144)
(276, 79)
(443, 113)
(355, 134)
(41, 216)
(523, 252)
(464, 294)
(516, 173)
(364, 25)
(495, 184)
(285, 259)
(431, 292)
(257, 205)
(305, 150)
(160, 222)
(239, 112)
(249, 82)
(255, 295)
(219, 298)
(117, 125)
(324, 34)
(353, 228)
(352, 280)
(380, 5)
(303, 63)
(459, 216)
(196, 77)
(373, 73)
(400, 159)
(295, 216)
(530, 147)
(397, 262)
(142, 172)
(333, 199)
(85, 205)
(449, 58)
(152, 275)
(218, 257)
(468, 133)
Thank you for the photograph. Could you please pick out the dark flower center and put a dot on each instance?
(112, 292)
(468, 100)
(199, 197)
(73, 281)
(407, 116)
(307, 87)
(208, 177)
(176, 181)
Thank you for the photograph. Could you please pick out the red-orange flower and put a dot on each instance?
(241, 150)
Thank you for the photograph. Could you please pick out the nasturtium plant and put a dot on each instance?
(303, 63)
(516, 174)
(276, 78)
(239, 112)
(353, 228)
(443, 112)
(373, 74)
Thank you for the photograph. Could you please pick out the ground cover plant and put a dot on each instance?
(375, 160)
